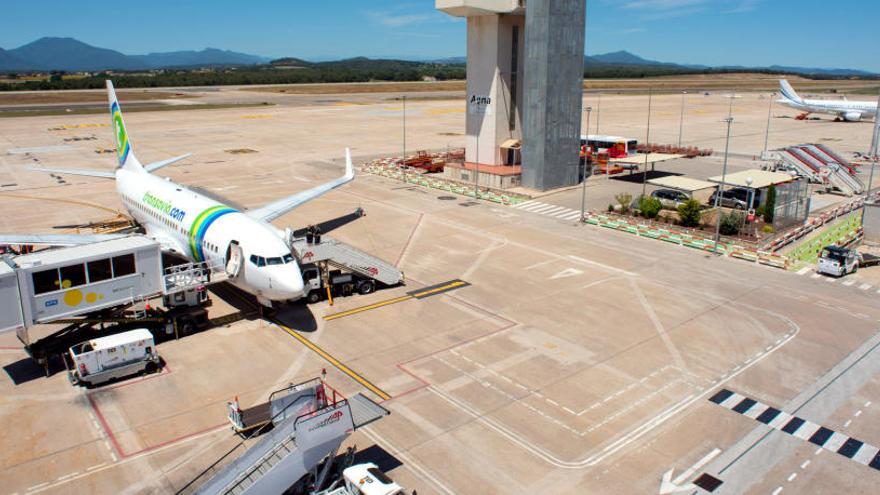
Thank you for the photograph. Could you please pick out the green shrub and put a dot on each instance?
(624, 200)
(690, 212)
(610, 208)
(732, 222)
(768, 229)
(770, 205)
(650, 207)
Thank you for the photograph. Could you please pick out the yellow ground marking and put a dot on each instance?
(407, 297)
(261, 116)
(368, 307)
(443, 111)
(442, 288)
(335, 362)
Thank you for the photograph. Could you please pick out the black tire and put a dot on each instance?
(314, 296)
(187, 327)
(151, 368)
(367, 287)
(739, 207)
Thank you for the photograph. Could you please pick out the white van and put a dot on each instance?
(100, 360)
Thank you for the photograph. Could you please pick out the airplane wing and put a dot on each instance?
(277, 208)
(157, 165)
(105, 174)
(57, 239)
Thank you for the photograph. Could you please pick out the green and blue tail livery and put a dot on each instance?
(124, 154)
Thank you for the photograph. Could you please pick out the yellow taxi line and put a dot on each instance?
(368, 307)
(335, 362)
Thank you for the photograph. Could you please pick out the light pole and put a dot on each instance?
(749, 182)
(403, 161)
(720, 192)
(681, 119)
(874, 146)
(598, 111)
(586, 159)
(767, 133)
(647, 140)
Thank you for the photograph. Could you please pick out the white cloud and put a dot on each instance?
(397, 20)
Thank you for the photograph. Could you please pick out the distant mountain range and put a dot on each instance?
(68, 54)
(624, 58)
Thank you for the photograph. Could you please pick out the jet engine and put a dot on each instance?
(852, 116)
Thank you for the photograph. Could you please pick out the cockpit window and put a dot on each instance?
(275, 260)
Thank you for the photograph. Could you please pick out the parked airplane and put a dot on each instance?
(851, 111)
(189, 224)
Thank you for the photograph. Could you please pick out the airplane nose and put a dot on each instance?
(288, 283)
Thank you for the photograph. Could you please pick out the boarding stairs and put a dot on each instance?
(822, 166)
(179, 278)
(803, 168)
(835, 157)
(307, 430)
(342, 255)
(840, 178)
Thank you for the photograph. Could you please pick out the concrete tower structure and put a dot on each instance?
(525, 79)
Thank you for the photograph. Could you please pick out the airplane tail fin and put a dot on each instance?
(789, 92)
(124, 152)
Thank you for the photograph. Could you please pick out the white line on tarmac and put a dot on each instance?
(623, 440)
(523, 205)
(777, 491)
(603, 266)
(697, 465)
(792, 476)
(864, 286)
(803, 270)
(849, 283)
(407, 461)
(566, 212)
(37, 487)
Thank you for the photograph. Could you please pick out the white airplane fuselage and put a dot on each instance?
(202, 229)
(847, 110)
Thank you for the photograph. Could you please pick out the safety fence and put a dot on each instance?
(816, 223)
(390, 167)
(687, 239)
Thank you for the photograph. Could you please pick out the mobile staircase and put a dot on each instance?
(308, 427)
(341, 255)
(821, 165)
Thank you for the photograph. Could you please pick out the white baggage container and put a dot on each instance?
(10, 300)
(99, 360)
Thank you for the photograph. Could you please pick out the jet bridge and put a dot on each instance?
(310, 422)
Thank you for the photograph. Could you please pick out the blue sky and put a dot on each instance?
(712, 32)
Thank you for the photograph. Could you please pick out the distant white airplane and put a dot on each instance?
(850, 111)
(197, 227)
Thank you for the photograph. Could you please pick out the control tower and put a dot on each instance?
(525, 63)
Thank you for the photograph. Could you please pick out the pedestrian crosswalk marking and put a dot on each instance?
(825, 438)
(550, 210)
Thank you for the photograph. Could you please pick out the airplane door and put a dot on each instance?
(234, 257)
